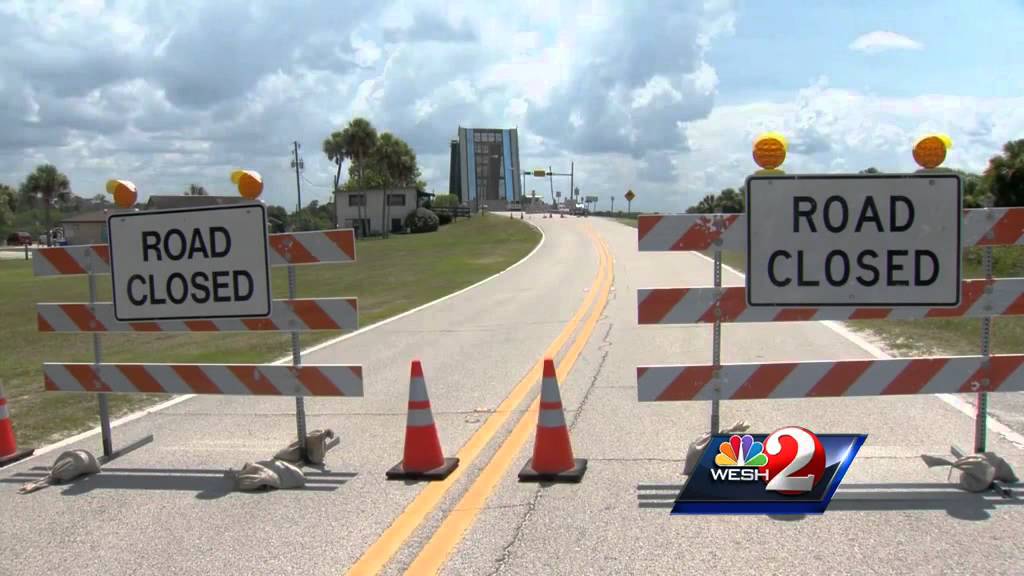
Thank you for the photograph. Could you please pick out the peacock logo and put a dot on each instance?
(741, 451)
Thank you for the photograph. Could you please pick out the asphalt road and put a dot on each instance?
(165, 509)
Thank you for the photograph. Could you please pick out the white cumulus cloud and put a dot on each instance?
(882, 40)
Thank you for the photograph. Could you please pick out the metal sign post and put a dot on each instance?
(97, 356)
(716, 346)
(103, 401)
(981, 418)
(300, 402)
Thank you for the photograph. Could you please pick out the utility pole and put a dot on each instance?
(572, 187)
(551, 179)
(298, 165)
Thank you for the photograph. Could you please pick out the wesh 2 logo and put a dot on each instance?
(796, 464)
(790, 471)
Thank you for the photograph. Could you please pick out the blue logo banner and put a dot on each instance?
(791, 471)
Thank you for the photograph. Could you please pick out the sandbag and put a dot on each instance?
(975, 472)
(316, 448)
(288, 475)
(256, 476)
(68, 466)
(696, 448)
(1004, 472)
(269, 475)
(316, 445)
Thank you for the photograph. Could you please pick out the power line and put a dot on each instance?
(316, 185)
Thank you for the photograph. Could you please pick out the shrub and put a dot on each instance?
(422, 220)
(446, 201)
(444, 218)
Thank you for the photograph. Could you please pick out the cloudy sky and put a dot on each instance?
(663, 97)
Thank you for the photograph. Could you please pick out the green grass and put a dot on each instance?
(389, 277)
(937, 336)
(958, 335)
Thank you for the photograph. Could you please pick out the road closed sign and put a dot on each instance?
(195, 263)
(853, 240)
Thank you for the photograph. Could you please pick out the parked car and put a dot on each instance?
(19, 239)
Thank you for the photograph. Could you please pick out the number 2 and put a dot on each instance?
(784, 481)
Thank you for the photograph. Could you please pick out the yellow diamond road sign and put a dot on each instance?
(630, 196)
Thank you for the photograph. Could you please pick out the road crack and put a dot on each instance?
(506, 553)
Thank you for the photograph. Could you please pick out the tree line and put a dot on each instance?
(1001, 184)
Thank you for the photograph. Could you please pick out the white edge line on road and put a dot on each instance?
(284, 359)
(839, 328)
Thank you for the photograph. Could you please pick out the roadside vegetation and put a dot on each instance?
(429, 266)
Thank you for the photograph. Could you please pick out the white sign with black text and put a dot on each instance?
(194, 263)
(853, 240)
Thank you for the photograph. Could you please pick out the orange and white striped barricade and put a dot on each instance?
(220, 379)
(317, 247)
(979, 298)
(696, 232)
(833, 378)
(301, 314)
(292, 315)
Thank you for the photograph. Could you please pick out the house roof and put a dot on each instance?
(166, 202)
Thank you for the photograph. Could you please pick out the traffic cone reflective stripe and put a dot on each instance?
(422, 457)
(8, 446)
(552, 449)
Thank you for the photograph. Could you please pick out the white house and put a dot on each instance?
(365, 211)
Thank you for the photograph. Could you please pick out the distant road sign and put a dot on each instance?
(591, 199)
(630, 196)
(540, 173)
(857, 240)
(209, 262)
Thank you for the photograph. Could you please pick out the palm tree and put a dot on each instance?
(49, 184)
(394, 160)
(1005, 175)
(196, 190)
(334, 148)
(358, 139)
(705, 206)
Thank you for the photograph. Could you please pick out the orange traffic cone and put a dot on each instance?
(552, 451)
(8, 447)
(423, 459)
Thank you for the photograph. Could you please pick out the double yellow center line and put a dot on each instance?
(450, 533)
